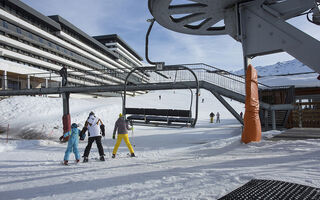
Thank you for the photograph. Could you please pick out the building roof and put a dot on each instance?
(25, 8)
(83, 35)
(106, 38)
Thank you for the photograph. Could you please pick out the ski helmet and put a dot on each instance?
(74, 125)
(91, 113)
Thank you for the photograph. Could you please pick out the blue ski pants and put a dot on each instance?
(72, 146)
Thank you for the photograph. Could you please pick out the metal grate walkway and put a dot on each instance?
(273, 190)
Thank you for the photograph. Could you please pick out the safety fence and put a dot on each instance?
(76, 78)
(205, 73)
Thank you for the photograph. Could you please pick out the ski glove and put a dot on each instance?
(82, 133)
(61, 138)
(103, 133)
(114, 136)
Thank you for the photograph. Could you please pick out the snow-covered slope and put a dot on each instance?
(41, 117)
(205, 162)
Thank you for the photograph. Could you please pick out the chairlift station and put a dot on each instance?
(34, 48)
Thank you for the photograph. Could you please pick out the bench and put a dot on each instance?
(152, 116)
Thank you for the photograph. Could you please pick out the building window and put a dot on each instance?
(5, 24)
(19, 30)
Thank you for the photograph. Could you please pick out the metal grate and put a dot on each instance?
(273, 190)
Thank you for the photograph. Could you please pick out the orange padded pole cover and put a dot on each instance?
(66, 121)
(252, 126)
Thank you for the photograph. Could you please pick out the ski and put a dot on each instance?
(129, 155)
(69, 163)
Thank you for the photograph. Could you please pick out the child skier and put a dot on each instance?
(122, 127)
(72, 143)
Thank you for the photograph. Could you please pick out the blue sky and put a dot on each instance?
(127, 18)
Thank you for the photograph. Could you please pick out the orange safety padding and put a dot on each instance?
(66, 121)
(252, 127)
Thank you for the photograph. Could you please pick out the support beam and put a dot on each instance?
(65, 102)
(47, 83)
(230, 108)
(273, 114)
(266, 121)
(5, 81)
(269, 22)
(28, 82)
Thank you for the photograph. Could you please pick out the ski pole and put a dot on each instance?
(7, 133)
(107, 147)
(134, 144)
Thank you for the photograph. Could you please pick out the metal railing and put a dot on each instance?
(76, 78)
(204, 72)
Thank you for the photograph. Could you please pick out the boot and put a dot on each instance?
(102, 158)
(77, 161)
(132, 155)
(113, 155)
(85, 159)
(65, 162)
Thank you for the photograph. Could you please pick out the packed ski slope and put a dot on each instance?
(205, 162)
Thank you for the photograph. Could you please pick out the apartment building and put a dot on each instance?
(34, 48)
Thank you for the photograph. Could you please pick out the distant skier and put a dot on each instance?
(202, 101)
(159, 97)
(94, 134)
(122, 127)
(64, 74)
(211, 117)
(241, 114)
(72, 143)
(218, 118)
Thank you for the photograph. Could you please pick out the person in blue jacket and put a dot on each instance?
(72, 143)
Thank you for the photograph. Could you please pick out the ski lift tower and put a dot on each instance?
(260, 25)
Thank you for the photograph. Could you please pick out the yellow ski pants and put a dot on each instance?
(126, 140)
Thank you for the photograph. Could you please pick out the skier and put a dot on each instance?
(122, 126)
(64, 74)
(241, 114)
(218, 118)
(211, 117)
(92, 125)
(72, 143)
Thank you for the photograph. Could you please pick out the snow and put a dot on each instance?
(281, 74)
(205, 162)
(279, 68)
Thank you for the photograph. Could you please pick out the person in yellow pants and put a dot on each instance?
(211, 117)
(122, 127)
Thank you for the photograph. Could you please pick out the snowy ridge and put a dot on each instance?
(280, 68)
(271, 75)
